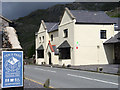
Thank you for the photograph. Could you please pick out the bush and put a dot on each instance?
(31, 51)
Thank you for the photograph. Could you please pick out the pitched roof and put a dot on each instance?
(13, 38)
(117, 20)
(51, 26)
(40, 48)
(83, 16)
(115, 39)
(5, 19)
(65, 44)
(42, 21)
(68, 11)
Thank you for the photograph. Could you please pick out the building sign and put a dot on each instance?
(12, 69)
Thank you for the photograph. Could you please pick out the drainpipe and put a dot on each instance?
(98, 53)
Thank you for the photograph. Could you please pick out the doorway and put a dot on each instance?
(117, 53)
(49, 54)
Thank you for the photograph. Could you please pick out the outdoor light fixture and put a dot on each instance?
(77, 44)
(98, 46)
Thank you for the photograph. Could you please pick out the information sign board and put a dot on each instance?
(12, 69)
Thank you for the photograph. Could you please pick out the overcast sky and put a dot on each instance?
(14, 10)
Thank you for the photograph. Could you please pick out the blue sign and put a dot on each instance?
(12, 69)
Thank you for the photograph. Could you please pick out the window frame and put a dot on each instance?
(62, 54)
(40, 39)
(65, 33)
(43, 38)
(103, 34)
(51, 37)
(39, 55)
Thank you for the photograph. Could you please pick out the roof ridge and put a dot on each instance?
(42, 21)
(5, 19)
(88, 10)
(68, 11)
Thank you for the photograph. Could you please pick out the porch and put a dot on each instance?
(115, 41)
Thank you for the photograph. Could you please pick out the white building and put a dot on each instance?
(81, 38)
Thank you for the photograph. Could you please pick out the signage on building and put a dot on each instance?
(12, 69)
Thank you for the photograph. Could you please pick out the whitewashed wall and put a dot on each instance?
(42, 32)
(67, 23)
(91, 49)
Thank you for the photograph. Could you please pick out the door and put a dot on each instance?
(49, 54)
(117, 53)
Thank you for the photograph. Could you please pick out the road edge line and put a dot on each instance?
(37, 82)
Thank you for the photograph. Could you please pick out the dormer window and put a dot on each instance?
(103, 34)
(65, 33)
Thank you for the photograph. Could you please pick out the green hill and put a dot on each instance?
(28, 25)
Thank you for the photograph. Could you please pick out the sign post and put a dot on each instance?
(12, 69)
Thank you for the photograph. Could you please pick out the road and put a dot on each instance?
(66, 78)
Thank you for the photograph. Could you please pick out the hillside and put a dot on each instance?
(28, 25)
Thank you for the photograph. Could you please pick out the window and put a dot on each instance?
(103, 34)
(65, 33)
(43, 38)
(64, 53)
(40, 53)
(40, 39)
(51, 37)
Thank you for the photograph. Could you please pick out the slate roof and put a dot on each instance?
(117, 20)
(65, 44)
(51, 26)
(83, 16)
(115, 39)
(40, 48)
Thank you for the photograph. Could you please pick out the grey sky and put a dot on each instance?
(14, 10)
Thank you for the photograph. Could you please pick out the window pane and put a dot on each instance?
(51, 37)
(65, 33)
(40, 53)
(43, 38)
(103, 34)
(40, 39)
(64, 53)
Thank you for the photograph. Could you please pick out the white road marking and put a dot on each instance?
(88, 72)
(45, 70)
(92, 79)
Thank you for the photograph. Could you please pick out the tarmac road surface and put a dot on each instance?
(66, 78)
